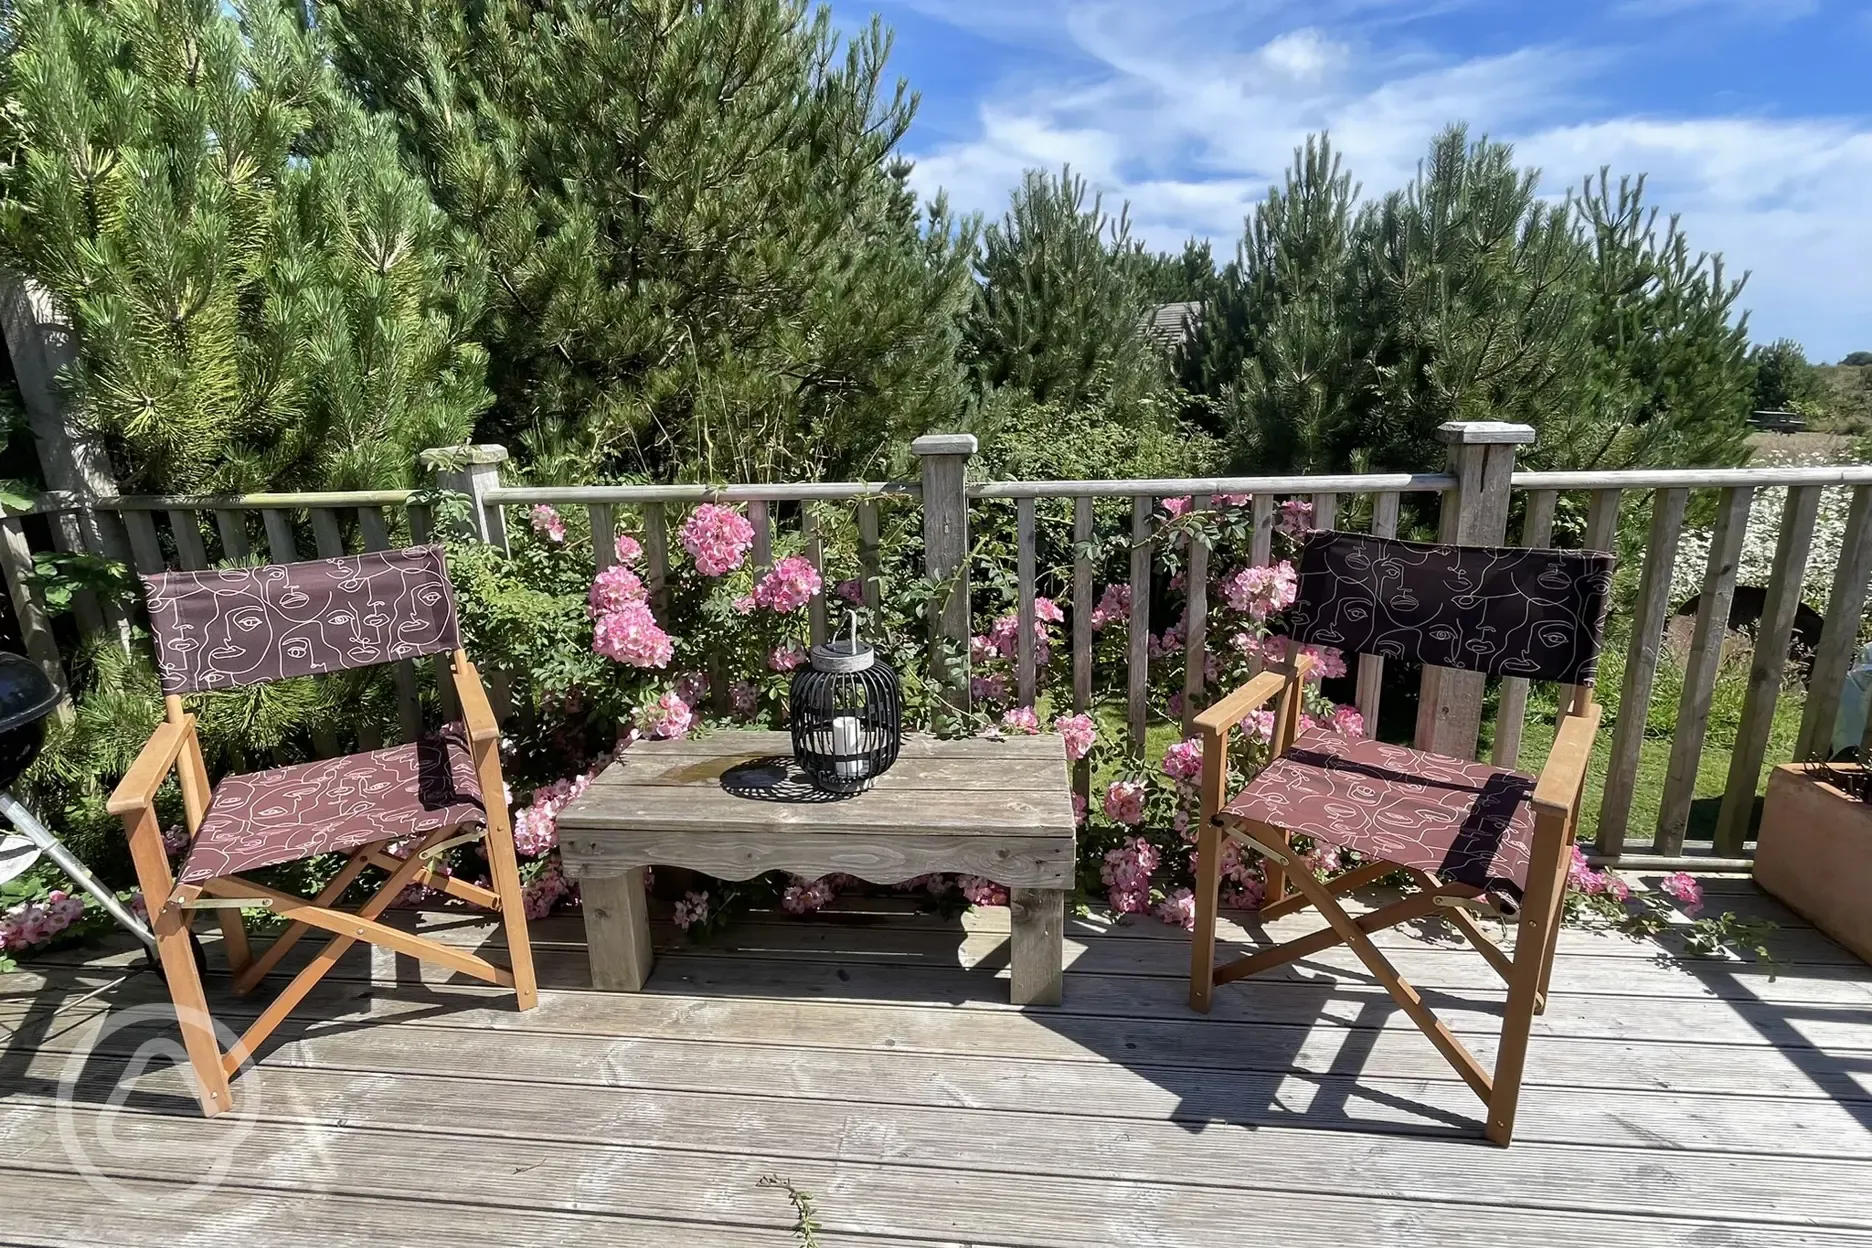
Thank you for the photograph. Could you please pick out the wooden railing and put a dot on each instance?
(1477, 497)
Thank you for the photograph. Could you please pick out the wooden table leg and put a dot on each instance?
(617, 930)
(1038, 954)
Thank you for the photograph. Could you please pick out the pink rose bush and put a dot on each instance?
(629, 549)
(717, 538)
(1183, 761)
(1114, 607)
(1683, 886)
(786, 657)
(614, 589)
(34, 922)
(803, 896)
(981, 891)
(691, 910)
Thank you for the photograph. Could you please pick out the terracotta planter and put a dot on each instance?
(1815, 853)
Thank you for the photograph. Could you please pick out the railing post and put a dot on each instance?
(945, 459)
(473, 470)
(42, 344)
(1481, 457)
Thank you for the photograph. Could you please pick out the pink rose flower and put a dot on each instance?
(1124, 802)
(1179, 909)
(981, 891)
(629, 549)
(631, 635)
(1021, 719)
(1079, 732)
(548, 523)
(614, 589)
(1183, 761)
(666, 718)
(786, 656)
(1296, 517)
(789, 586)
(692, 909)
(717, 538)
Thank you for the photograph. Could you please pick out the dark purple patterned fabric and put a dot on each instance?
(268, 817)
(1467, 823)
(242, 626)
(1506, 612)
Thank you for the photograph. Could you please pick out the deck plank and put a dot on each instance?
(871, 1056)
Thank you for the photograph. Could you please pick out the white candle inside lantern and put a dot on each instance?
(848, 738)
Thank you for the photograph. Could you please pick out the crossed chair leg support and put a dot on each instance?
(1525, 971)
(214, 1068)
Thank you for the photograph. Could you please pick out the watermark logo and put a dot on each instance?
(117, 1123)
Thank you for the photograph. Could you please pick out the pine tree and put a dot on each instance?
(1069, 384)
(1670, 379)
(262, 296)
(1467, 290)
(1276, 355)
(1783, 379)
(705, 258)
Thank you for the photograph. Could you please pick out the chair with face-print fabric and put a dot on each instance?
(391, 810)
(1469, 836)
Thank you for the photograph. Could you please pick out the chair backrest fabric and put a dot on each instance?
(227, 627)
(1539, 614)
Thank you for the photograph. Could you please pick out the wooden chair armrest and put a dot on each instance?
(476, 713)
(1564, 774)
(137, 790)
(1225, 714)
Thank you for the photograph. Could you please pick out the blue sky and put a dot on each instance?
(1752, 117)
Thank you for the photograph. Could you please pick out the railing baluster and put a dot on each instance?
(190, 550)
(1641, 661)
(1082, 628)
(1846, 606)
(1384, 519)
(1511, 713)
(1137, 708)
(232, 526)
(1602, 517)
(656, 557)
(420, 525)
(1325, 511)
(759, 516)
(1766, 669)
(603, 535)
(279, 534)
(1699, 688)
(870, 555)
(1195, 622)
(326, 533)
(1026, 678)
(144, 546)
(1261, 551)
(35, 630)
(376, 534)
(815, 554)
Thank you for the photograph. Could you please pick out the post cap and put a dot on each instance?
(465, 456)
(945, 444)
(1478, 432)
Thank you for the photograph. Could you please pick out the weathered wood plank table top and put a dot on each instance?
(734, 804)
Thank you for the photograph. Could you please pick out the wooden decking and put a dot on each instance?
(869, 1057)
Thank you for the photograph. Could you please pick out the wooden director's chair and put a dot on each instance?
(1469, 836)
(227, 628)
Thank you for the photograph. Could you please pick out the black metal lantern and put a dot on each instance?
(846, 708)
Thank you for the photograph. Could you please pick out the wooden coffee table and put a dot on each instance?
(734, 804)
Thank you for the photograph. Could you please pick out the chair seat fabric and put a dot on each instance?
(268, 817)
(1464, 822)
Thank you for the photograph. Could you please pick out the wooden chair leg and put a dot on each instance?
(234, 941)
(504, 870)
(191, 1007)
(247, 979)
(1202, 940)
(1534, 948)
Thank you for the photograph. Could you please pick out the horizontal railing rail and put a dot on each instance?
(1179, 487)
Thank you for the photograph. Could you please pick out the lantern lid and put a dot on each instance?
(844, 655)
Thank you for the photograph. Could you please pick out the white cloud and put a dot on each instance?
(1190, 110)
